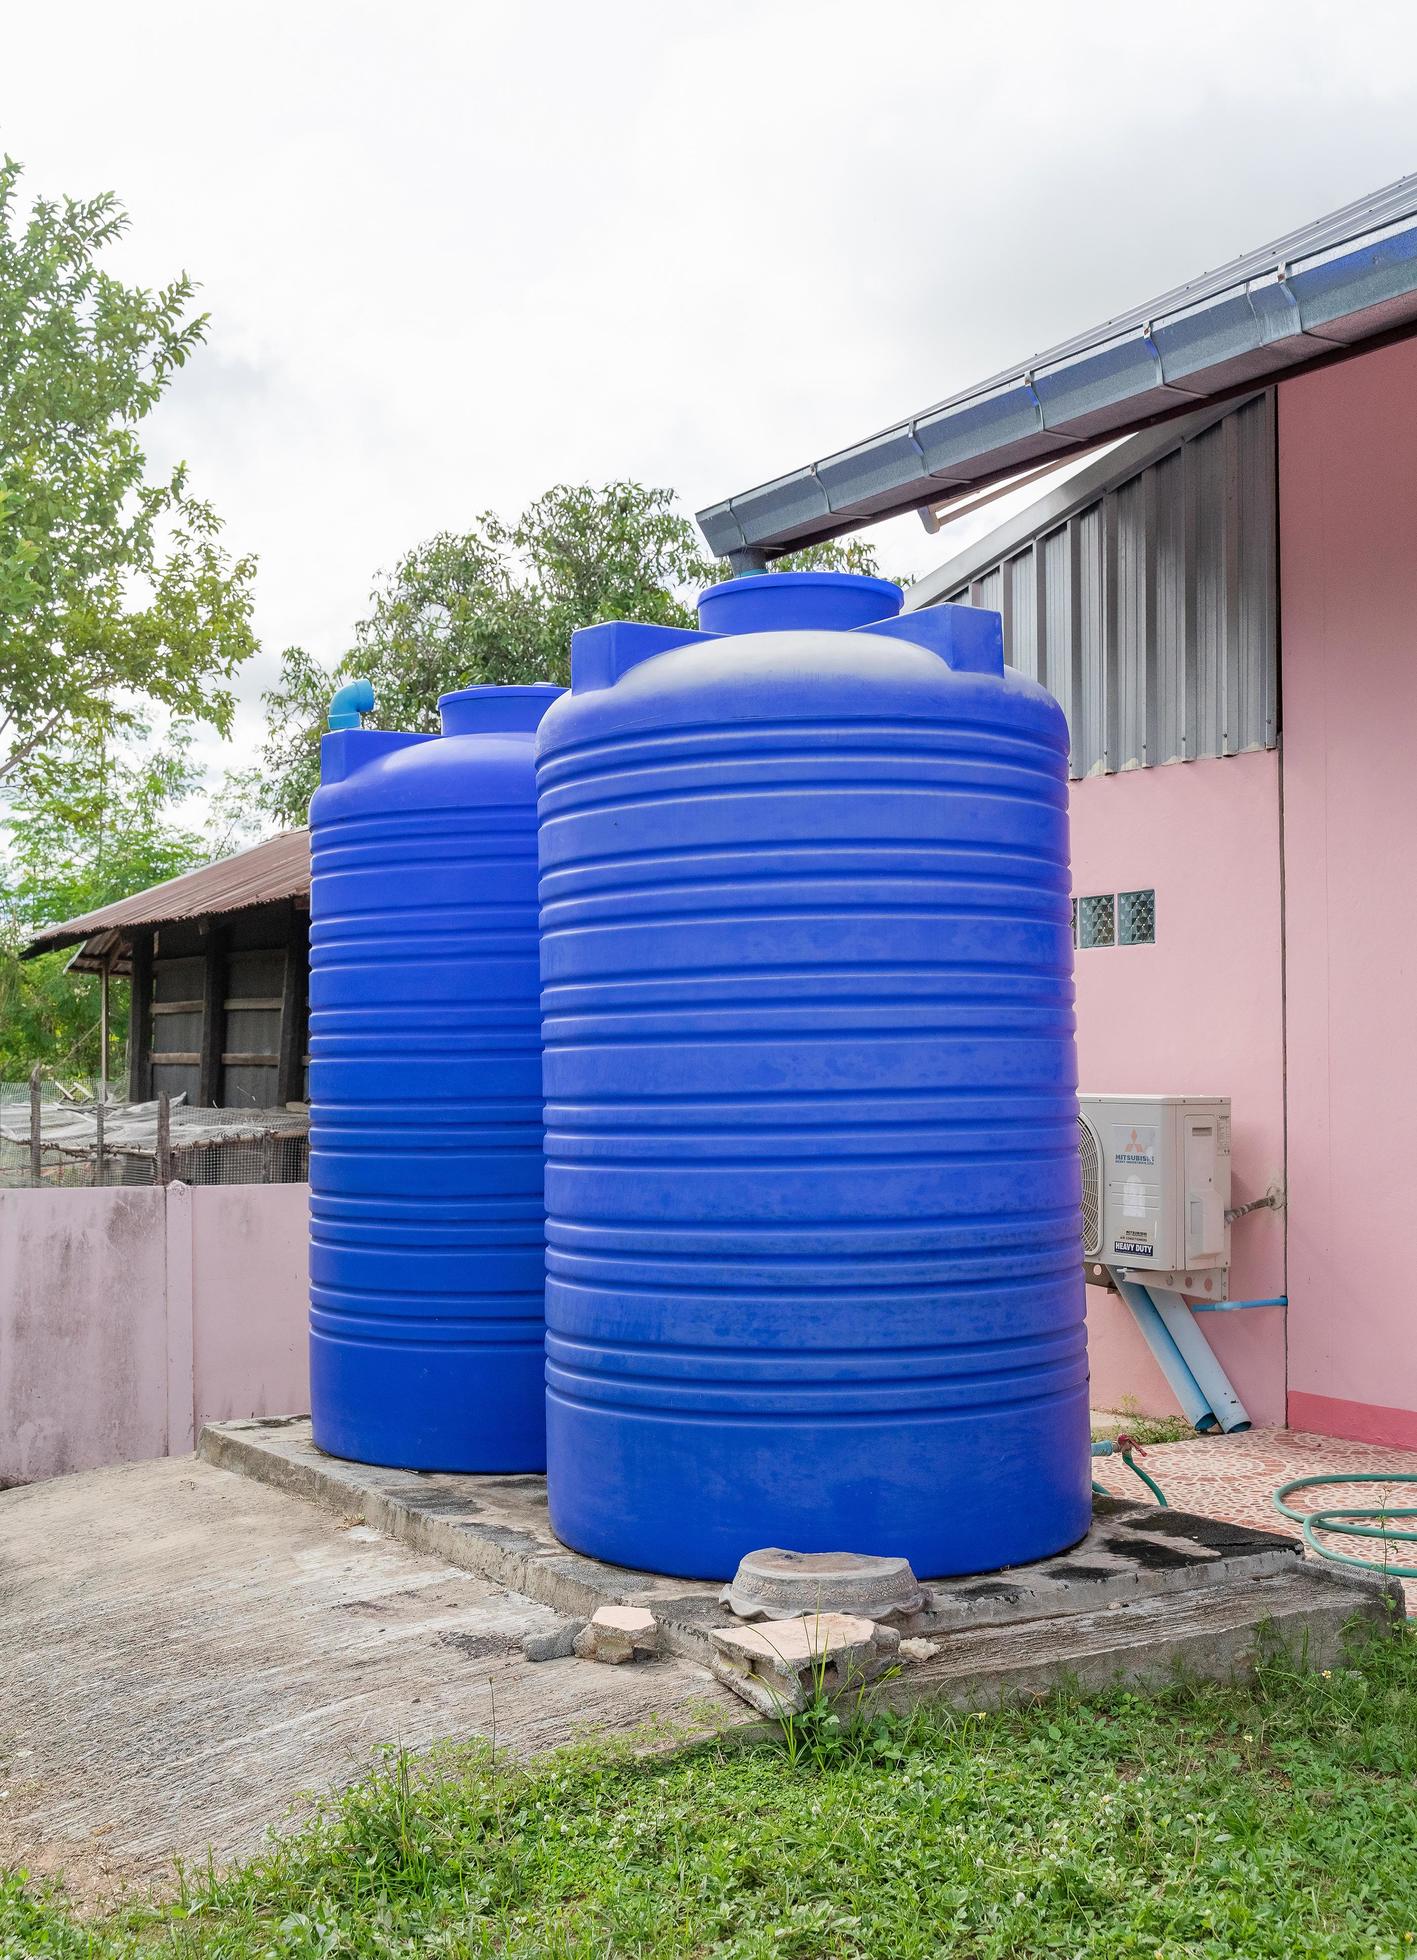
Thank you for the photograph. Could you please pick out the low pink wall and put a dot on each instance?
(130, 1317)
(1348, 556)
(1201, 1012)
(251, 1356)
(83, 1330)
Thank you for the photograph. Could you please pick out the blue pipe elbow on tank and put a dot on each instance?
(350, 703)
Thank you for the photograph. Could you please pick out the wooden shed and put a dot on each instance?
(219, 961)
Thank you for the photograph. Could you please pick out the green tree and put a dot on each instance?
(499, 603)
(114, 586)
(89, 825)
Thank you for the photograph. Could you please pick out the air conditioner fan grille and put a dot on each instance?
(1091, 1158)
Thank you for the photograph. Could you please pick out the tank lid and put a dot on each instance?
(496, 710)
(784, 602)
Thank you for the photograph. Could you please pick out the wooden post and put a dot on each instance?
(140, 1020)
(290, 1048)
(213, 1017)
(36, 1144)
(99, 1114)
(103, 1031)
(163, 1165)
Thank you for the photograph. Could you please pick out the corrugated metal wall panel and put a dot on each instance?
(1023, 606)
(1151, 612)
(1090, 728)
(1053, 570)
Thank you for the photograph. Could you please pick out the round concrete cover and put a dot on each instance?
(779, 1585)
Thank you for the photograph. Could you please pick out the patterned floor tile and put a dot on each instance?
(1235, 1477)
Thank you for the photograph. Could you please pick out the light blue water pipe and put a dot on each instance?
(1199, 1356)
(1237, 1306)
(1195, 1406)
(1185, 1356)
(348, 704)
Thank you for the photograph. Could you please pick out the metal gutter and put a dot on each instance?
(1315, 294)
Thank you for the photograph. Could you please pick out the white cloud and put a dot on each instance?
(456, 252)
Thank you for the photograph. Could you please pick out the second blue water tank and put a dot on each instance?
(425, 1092)
(813, 1250)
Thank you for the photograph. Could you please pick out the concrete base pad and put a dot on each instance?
(1147, 1591)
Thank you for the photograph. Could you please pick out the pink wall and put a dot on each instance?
(1201, 1012)
(251, 1356)
(130, 1317)
(83, 1330)
(1348, 558)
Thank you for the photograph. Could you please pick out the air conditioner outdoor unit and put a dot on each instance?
(1156, 1188)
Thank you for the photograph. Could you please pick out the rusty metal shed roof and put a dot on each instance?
(279, 868)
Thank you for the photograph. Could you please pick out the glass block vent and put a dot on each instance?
(1097, 920)
(1136, 918)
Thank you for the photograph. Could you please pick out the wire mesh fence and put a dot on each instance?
(60, 1133)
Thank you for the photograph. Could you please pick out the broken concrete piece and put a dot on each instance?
(911, 1650)
(774, 1584)
(617, 1634)
(557, 1645)
(783, 1665)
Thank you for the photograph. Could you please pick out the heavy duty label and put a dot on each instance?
(1134, 1248)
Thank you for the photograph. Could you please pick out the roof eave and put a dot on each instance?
(1271, 323)
(264, 874)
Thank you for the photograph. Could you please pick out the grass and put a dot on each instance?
(1273, 1820)
(1147, 1430)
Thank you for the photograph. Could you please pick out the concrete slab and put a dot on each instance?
(1215, 1632)
(187, 1652)
(499, 1528)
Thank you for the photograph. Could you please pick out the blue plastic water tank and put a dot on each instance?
(426, 1248)
(814, 1265)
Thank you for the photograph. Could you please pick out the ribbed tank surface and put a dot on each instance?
(814, 1272)
(426, 1238)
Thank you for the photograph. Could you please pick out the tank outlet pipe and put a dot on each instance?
(350, 703)
(1124, 1447)
(1200, 1358)
(1169, 1358)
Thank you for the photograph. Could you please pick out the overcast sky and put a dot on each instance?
(455, 253)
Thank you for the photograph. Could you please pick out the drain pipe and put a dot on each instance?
(1198, 1355)
(1195, 1406)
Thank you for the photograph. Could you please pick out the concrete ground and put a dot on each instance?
(189, 1654)
(1235, 1477)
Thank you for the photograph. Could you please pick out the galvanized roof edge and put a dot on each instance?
(1301, 298)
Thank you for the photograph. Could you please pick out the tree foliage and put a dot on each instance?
(114, 586)
(499, 603)
(89, 825)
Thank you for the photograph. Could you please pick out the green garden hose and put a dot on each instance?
(1116, 1449)
(1348, 1521)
